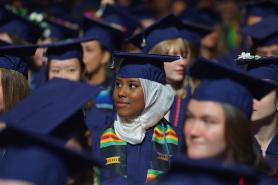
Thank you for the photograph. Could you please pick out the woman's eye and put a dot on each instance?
(72, 70)
(132, 86)
(55, 71)
(117, 84)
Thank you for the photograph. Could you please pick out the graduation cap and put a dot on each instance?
(64, 50)
(224, 84)
(263, 8)
(201, 16)
(164, 29)
(40, 159)
(263, 33)
(120, 16)
(194, 32)
(109, 37)
(21, 28)
(207, 171)
(263, 67)
(55, 108)
(12, 56)
(141, 65)
(59, 29)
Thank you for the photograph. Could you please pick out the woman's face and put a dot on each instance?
(93, 56)
(265, 107)
(1, 95)
(128, 97)
(175, 71)
(204, 129)
(67, 69)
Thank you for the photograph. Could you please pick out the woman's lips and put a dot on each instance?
(121, 104)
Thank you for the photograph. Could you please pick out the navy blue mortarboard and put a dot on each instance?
(11, 56)
(40, 159)
(140, 65)
(53, 108)
(224, 84)
(263, 33)
(64, 50)
(202, 16)
(263, 68)
(109, 37)
(164, 29)
(60, 29)
(263, 8)
(185, 171)
(120, 16)
(194, 32)
(22, 28)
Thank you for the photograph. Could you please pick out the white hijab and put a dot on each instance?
(158, 100)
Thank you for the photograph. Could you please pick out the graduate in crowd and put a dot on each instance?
(37, 159)
(55, 30)
(13, 73)
(56, 109)
(139, 136)
(264, 117)
(264, 35)
(65, 60)
(217, 129)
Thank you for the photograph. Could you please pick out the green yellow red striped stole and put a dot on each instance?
(164, 146)
(109, 138)
(165, 135)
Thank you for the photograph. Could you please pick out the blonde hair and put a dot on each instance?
(15, 87)
(185, 48)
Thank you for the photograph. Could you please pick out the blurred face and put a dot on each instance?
(15, 182)
(210, 40)
(93, 56)
(67, 69)
(265, 107)
(271, 50)
(204, 129)
(253, 20)
(128, 97)
(1, 95)
(175, 70)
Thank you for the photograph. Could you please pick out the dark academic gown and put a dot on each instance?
(272, 153)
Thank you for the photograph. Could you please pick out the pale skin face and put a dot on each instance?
(67, 69)
(93, 56)
(204, 129)
(175, 71)
(265, 107)
(271, 50)
(5, 37)
(128, 97)
(1, 96)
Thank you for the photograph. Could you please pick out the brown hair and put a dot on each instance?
(15, 87)
(240, 143)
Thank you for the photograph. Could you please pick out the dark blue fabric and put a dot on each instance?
(121, 17)
(262, 8)
(263, 33)
(33, 164)
(164, 29)
(140, 65)
(104, 32)
(22, 28)
(138, 159)
(272, 153)
(202, 172)
(54, 106)
(11, 56)
(64, 50)
(225, 91)
(59, 31)
(225, 84)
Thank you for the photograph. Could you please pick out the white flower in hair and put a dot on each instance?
(245, 55)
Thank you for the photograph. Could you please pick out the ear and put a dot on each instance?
(106, 57)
